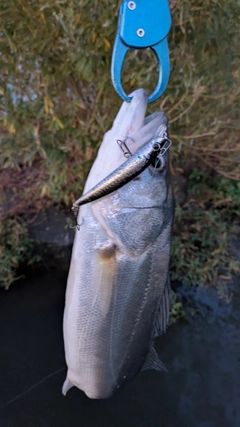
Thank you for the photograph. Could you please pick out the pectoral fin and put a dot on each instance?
(105, 275)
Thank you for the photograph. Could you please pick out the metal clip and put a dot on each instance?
(142, 24)
(122, 144)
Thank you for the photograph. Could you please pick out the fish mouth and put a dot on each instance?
(131, 209)
(125, 208)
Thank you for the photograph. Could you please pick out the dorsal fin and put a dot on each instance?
(153, 362)
(163, 310)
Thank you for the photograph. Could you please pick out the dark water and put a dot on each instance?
(201, 388)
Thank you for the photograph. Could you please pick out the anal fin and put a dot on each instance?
(153, 362)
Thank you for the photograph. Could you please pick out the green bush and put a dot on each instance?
(203, 226)
(15, 249)
(57, 100)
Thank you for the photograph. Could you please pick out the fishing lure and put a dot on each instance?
(133, 166)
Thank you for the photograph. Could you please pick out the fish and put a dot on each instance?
(118, 289)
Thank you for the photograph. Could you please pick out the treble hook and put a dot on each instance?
(75, 210)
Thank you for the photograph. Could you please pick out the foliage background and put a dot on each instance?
(56, 102)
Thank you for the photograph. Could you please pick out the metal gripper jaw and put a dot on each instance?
(142, 24)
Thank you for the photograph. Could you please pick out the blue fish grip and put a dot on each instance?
(142, 24)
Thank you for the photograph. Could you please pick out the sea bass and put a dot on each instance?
(118, 290)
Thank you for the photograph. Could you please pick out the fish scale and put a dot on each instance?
(117, 295)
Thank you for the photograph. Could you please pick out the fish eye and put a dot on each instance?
(158, 165)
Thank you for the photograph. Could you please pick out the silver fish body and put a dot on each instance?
(117, 297)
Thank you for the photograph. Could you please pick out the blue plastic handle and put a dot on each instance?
(142, 24)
